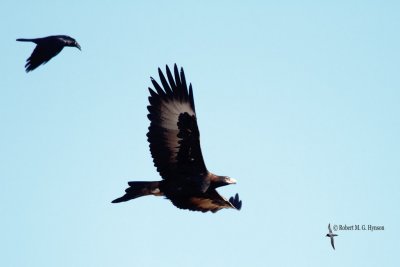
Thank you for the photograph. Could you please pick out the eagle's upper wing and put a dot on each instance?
(173, 133)
(208, 201)
(42, 53)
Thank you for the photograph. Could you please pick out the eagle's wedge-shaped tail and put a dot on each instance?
(139, 189)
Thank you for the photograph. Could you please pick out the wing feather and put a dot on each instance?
(208, 201)
(164, 83)
(236, 202)
(171, 79)
(173, 132)
(41, 55)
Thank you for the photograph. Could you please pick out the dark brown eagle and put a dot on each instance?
(175, 147)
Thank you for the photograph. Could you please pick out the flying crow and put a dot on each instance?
(47, 48)
(175, 147)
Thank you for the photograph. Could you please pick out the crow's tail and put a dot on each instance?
(139, 189)
(25, 40)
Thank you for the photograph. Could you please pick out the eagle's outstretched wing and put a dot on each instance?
(173, 133)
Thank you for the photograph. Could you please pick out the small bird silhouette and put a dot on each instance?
(331, 235)
(47, 48)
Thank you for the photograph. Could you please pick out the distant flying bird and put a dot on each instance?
(175, 147)
(331, 235)
(47, 48)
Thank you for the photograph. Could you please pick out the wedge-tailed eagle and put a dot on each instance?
(175, 147)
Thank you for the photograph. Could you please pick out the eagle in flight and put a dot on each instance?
(175, 147)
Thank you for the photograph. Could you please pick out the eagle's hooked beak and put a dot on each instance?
(231, 181)
(78, 46)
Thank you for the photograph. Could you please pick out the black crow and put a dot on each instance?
(175, 147)
(47, 48)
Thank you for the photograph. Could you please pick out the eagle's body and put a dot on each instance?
(47, 48)
(175, 147)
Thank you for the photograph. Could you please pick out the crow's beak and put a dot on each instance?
(78, 46)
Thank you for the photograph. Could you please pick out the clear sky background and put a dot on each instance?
(297, 101)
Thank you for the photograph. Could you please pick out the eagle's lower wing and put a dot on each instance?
(208, 201)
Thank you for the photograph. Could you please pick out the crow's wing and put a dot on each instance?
(42, 54)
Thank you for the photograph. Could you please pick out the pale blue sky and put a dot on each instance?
(298, 102)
